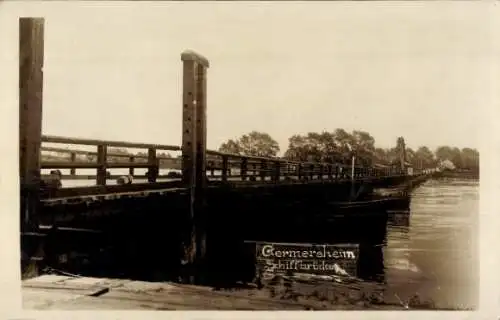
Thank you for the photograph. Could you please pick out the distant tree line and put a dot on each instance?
(339, 146)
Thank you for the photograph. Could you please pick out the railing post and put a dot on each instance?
(153, 166)
(243, 169)
(263, 168)
(101, 161)
(225, 167)
(311, 171)
(31, 55)
(72, 171)
(299, 171)
(211, 165)
(194, 156)
(277, 167)
(131, 159)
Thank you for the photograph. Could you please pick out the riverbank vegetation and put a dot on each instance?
(339, 146)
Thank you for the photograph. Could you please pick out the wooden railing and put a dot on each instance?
(251, 168)
(220, 166)
(259, 168)
(102, 163)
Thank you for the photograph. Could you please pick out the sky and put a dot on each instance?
(113, 71)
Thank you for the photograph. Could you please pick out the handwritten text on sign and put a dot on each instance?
(290, 258)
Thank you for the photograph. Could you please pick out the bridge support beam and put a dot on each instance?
(31, 55)
(194, 136)
(31, 47)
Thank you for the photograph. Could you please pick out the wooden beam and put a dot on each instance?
(201, 219)
(109, 143)
(102, 165)
(31, 56)
(189, 160)
(194, 156)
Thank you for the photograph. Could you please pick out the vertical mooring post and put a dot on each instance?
(402, 155)
(31, 55)
(194, 133)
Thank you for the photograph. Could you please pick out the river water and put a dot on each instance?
(435, 251)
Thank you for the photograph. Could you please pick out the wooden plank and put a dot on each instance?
(111, 177)
(31, 56)
(110, 143)
(100, 189)
(135, 177)
(142, 189)
(112, 196)
(91, 165)
(94, 153)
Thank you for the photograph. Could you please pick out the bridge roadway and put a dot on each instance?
(113, 192)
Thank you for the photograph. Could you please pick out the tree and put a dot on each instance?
(410, 156)
(252, 144)
(344, 142)
(381, 156)
(231, 146)
(457, 158)
(299, 148)
(444, 153)
(114, 154)
(363, 147)
(318, 147)
(332, 147)
(424, 158)
(470, 158)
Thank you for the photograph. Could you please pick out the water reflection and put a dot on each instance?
(434, 251)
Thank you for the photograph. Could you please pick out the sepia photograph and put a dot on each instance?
(249, 156)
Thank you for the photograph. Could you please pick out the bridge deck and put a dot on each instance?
(112, 192)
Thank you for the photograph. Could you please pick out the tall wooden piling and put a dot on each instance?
(31, 55)
(402, 153)
(201, 147)
(194, 135)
